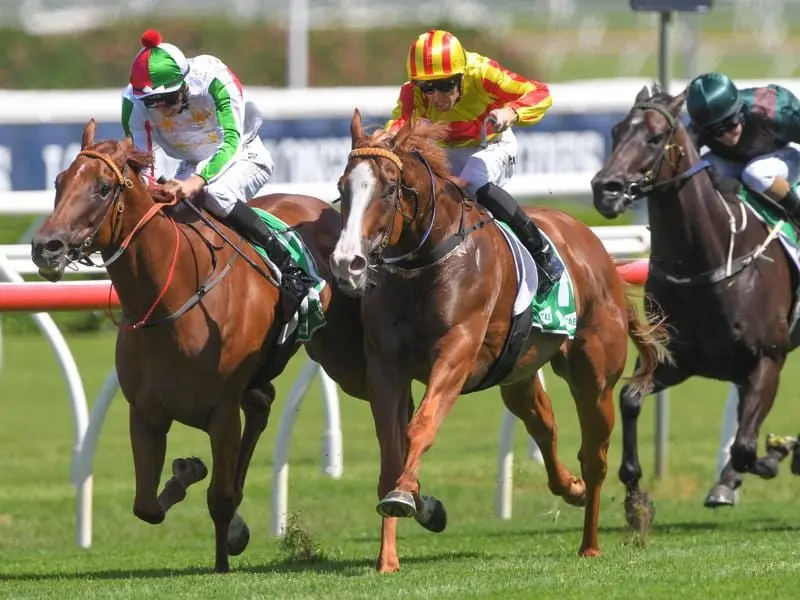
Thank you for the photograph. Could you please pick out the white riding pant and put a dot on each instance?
(760, 173)
(248, 173)
(478, 166)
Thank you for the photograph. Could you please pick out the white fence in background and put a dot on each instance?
(26, 107)
(626, 241)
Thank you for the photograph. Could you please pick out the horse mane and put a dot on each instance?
(423, 138)
(121, 152)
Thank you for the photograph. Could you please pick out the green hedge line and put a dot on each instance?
(256, 52)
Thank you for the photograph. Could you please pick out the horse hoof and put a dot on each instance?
(589, 552)
(576, 495)
(639, 510)
(222, 569)
(796, 459)
(397, 503)
(432, 516)
(767, 467)
(153, 518)
(720, 495)
(189, 470)
(238, 536)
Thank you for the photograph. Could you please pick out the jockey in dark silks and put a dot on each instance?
(752, 135)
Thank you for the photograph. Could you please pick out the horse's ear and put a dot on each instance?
(88, 134)
(656, 88)
(404, 132)
(356, 128)
(676, 103)
(643, 95)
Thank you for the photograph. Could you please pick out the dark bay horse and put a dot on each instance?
(725, 287)
(438, 283)
(202, 366)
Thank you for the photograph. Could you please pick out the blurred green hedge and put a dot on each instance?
(256, 52)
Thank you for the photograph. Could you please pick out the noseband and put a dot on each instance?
(649, 182)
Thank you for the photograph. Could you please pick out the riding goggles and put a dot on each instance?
(166, 100)
(438, 85)
(720, 129)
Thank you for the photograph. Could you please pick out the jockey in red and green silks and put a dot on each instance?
(196, 111)
(752, 134)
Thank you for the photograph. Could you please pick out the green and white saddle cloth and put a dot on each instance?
(310, 317)
(553, 312)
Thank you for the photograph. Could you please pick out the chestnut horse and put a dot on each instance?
(442, 283)
(728, 310)
(211, 350)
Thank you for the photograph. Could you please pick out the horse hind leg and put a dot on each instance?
(256, 404)
(224, 429)
(529, 402)
(639, 507)
(148, 434)
(755, 401)
(185, 473)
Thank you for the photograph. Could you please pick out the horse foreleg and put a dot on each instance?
(148, 434)
(224, 430)
(529, 402)
(391, 416)
(449, 372)
(756, 397)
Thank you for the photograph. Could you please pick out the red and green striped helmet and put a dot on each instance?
(159, 68)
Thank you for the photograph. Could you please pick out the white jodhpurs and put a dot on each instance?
(247, 174)
(479, 166)
(760, 173)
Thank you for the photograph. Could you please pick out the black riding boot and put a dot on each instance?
(791, 205)
(294, 279)
(505, 208)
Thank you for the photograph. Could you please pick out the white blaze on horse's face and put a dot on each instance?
(348, 261)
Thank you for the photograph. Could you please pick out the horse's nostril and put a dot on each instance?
(54, 245)
(613, 186)
(358, 264)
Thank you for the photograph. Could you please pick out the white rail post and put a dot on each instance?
(77, 396)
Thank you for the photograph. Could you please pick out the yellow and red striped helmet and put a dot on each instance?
(435, 54)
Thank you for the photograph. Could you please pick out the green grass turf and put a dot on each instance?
(750, 551)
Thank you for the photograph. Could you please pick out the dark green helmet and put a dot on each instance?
(712, 98)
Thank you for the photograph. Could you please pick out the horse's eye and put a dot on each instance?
(104, 188)
(391, 189)
(655, 139)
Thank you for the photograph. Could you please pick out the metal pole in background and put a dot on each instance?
(297, 56)
(662, 403)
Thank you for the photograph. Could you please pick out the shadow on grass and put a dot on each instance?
(766, 525)
(345, 568)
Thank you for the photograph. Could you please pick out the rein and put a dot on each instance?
(635, 191)
(416, 258)
(125, 183)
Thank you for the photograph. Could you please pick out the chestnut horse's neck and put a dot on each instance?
(152, 272)
(430, 211)
(691, 222)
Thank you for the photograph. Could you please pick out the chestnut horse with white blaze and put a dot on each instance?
(198, 341)
(438, 284)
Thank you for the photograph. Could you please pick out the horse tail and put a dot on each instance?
(651, 338)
